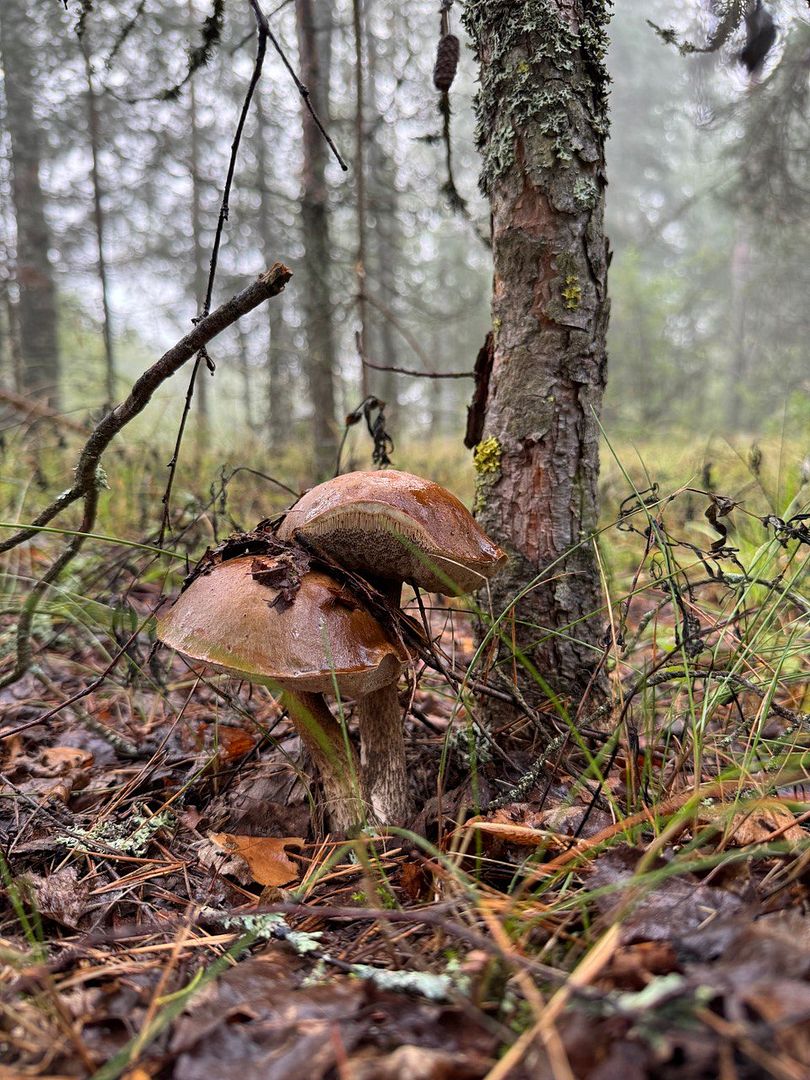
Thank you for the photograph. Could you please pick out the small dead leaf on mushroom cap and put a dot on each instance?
(265, 856)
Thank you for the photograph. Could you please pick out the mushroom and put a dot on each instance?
(392, 527)
(319, 640)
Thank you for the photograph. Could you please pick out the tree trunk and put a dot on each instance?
(200, 262)
(360, 193)
(739, 272)
(245, 376)
(94, 130)
(315, 276)
(542, 121)
(278, 404)
(386, 236)
(36, 308)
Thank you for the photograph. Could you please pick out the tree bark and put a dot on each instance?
(315, 276)
(542, 122)
(739, 272)
(360, 192)
(36, 308)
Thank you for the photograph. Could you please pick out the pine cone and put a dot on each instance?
(447, 55)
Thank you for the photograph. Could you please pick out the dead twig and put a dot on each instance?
(419, 374)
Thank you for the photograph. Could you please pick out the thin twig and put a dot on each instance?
(305, 94)
(39, 410)
(262, 30)
(419, 374)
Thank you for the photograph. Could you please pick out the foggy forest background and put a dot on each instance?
(709, 184)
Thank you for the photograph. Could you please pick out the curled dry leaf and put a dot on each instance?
(266, 856)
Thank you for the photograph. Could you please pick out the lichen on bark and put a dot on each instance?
(515, 88)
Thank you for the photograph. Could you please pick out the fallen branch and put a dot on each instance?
(88, 479)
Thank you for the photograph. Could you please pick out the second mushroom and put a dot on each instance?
(392, 528)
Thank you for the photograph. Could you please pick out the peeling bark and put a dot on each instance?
(542, 121)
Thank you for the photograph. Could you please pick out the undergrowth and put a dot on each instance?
(583, 886)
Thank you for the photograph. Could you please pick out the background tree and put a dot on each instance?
(36, 306)
(316, 270)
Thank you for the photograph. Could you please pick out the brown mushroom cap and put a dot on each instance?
(323, 638)
(396, 526)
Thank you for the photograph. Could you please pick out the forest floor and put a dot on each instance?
(590, 895)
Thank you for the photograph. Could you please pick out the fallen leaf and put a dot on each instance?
(631, 966)
(60, 896)
(234, 742)
(675, 907)
(415, 881)
(784, 1005)
(59, 760)
(257, 1023)
(265, 855)
(415, 1061)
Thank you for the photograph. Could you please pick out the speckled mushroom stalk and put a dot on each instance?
(383, 761)
(332, 755)
(324, 639)
(393, 527)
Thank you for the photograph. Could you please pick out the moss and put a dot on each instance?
(519, 88)
(572, 292)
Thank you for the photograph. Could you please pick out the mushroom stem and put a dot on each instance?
(333, 757)
(382, 741)
(382, 756)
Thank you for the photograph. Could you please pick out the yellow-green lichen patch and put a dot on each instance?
(487, 456)
(487, 464)
(572, 292)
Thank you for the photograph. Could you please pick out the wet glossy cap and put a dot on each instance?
(225, 619)
(396, 526)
